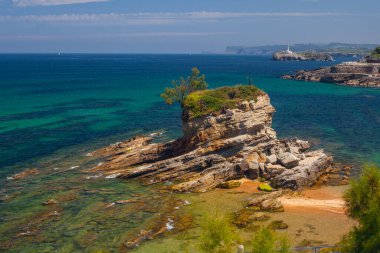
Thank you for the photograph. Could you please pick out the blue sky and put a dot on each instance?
(181, 26)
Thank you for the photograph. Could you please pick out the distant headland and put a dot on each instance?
(362, 73)
(334, 49)
(289, 55)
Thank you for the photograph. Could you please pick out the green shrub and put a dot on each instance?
(204, 102)
(376, 53)
(217, 235)
(363, 203)
(181, 88)
(268, 241)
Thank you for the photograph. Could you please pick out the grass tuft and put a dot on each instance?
(204, 102)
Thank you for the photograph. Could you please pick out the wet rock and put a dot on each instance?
(243, 217)
(141, 237)
(50, 202)
(126, 201)
(278, 225)
(271, 205)
(258, 216)
(24, 174)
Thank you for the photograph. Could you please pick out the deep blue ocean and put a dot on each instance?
(55, 108)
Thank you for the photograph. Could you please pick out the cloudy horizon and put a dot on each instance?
(179, 26)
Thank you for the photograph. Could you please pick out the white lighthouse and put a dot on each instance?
(288, 51)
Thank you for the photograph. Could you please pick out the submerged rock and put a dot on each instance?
(229, 184)
(218, 147)
(50, 202)
(278, 225)
(24, 174)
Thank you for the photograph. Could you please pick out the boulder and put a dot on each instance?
(272, 159)
(274, 169)
(258, 200)
(288, 160)
(253, 170)
(271, 205)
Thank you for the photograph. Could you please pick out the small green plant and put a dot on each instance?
(363, 203)
(265, 187)
(184, 86)
(217, 235)
(268, 241)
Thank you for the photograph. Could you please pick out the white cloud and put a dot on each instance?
(25, 3)
(161, 18)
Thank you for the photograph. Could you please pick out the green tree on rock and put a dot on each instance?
(363, 202)
(184, 86)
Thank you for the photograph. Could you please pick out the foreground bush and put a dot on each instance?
(268, 241)
(363, 202)
(217, 235)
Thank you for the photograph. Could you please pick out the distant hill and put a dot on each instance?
(335, 49)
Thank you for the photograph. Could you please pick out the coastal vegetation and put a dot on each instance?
(182, 87)
(204, 102)
(266, 240)
(376, 53)
(217, 236)
(363, 203)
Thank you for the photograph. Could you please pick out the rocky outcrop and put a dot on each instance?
(232, 144)
(359, 74)
(292, 56)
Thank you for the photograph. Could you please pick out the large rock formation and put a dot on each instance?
(231, 144)
(360, 74)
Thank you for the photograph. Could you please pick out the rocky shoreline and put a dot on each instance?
(356, 74)
(216, 148)
(307, 56)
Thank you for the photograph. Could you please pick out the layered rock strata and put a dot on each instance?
(232, 144)
(357, 74)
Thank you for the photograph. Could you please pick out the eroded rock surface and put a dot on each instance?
(232, 144)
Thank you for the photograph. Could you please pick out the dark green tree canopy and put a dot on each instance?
(363, 202)
(376, 53)
(181, 88)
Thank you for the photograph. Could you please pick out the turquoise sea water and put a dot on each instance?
(54, 109)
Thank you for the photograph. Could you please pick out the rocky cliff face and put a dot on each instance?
(353, 74)
(236, 143)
